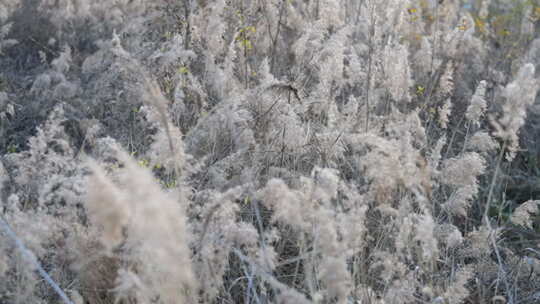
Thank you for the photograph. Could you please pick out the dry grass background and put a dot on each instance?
(324, 151)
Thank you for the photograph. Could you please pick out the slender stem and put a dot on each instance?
(449, 147)
(493, 182)
(369, 72)
(246, 63)
(187, 13)
(275, 38)
(488, 223)
(466, 140)
(435, 33)
(370, 62)
(29, 255)
(244, 39)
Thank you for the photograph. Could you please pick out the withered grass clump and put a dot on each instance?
(97, 279)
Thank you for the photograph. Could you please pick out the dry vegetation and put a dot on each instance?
(270, 151)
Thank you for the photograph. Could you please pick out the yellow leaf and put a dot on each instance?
(246, 44)
(505, 32)
(420, 90)
(463, 26)
(12, 149)
(537, 12)
(480, 25)
(183, 70)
